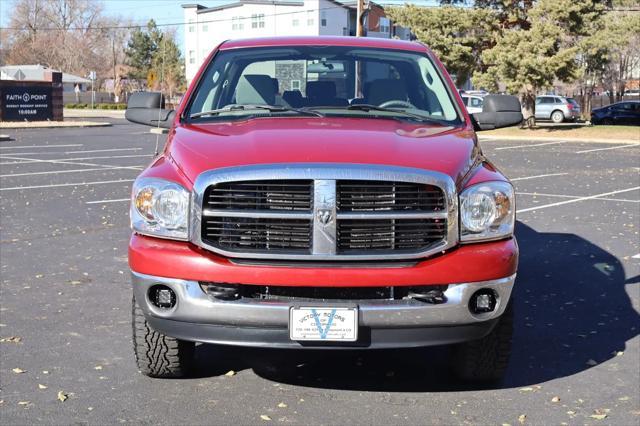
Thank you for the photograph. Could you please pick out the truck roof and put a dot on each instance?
(370, 42)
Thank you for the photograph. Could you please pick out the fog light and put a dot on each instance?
(482, 301)
(162, 296)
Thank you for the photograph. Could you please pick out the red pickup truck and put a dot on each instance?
(322, 193)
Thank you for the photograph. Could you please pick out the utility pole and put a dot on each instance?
(359, 20)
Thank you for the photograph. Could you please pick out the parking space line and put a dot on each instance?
(538, 176)
(106, 166)
(529, 145)
(74, 152)
(74, 159)
(541, 194)
(575, 200)
(40, 146)
(55, 172)
(108, 201)
(57, 185)
(629, 145)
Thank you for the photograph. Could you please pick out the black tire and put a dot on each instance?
(158, 355)
(486, 359)
(557, 116)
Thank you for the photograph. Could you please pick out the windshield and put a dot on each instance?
(329, 80)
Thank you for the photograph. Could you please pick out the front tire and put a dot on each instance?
(486, 359)
(557, 117)
(158, 355)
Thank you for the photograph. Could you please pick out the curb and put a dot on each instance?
(61, 125)
(555, 139)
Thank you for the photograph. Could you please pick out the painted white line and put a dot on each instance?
(72, 152)
(629, 145)
(18, 188)
(74, 159)
(636, 256)
(542, 194)
(106, 166)
(575, 200)
(538, 176)
(530, 145)
(40, 146)
(108, 201)
(55, 172)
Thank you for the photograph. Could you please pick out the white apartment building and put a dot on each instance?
(209, 26)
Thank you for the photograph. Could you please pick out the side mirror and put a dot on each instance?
(148, 108)
(498, 111)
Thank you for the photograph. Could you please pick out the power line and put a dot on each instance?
(173, 24)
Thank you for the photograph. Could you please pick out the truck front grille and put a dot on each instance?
(389, 234)
(338, 215)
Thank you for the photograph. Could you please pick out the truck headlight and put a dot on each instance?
(160, 208)
(487, 211)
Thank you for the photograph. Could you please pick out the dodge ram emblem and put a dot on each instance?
(325, 216)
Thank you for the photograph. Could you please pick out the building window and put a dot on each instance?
(310, 20)
(192, 56)
(192, 28)
(385, 25)
(295, 84)
(323, 19)
(257, 21)
(205, 28)
(237, 23)
(295, 23)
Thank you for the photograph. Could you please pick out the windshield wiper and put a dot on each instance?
(270, 108)
(368, 107)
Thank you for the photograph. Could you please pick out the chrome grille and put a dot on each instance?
(245, 233)
(268, 195)
(389, 234)
(324, 212)
(353, 195)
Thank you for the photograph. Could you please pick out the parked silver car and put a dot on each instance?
(557, 108)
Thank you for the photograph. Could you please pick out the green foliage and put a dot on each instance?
(154, 55)
(97, 106)
(456, 35)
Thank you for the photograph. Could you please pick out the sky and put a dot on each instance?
(162, 11)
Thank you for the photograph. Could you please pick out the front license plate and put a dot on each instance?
(323, 324)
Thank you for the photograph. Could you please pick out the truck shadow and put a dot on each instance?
(572, 312)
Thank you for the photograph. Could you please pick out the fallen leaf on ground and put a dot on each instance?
(41, 386)
(45, 372)
(39, 275)
(265, 418)
(598, 416)
(617, 353)
(18, 370)
(623, 398)
(12, 339)
(592, 362)
(23, 402)
(97, 367)
(555, 399)
(522, 418)
(230, 373)
(571, 413)
(526, 389)
(282, 405)
(62, 397)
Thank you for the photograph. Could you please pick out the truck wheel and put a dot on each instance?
(486, 359)
(158, 355)
(557, 116)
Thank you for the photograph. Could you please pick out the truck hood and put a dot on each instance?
(201, 147)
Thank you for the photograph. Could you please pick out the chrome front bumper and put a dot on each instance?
(384, 323)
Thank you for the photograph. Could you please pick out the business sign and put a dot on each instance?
(31, 103)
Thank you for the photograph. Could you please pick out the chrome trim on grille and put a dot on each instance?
(325, 176)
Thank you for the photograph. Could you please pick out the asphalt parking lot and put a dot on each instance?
(65, 294)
